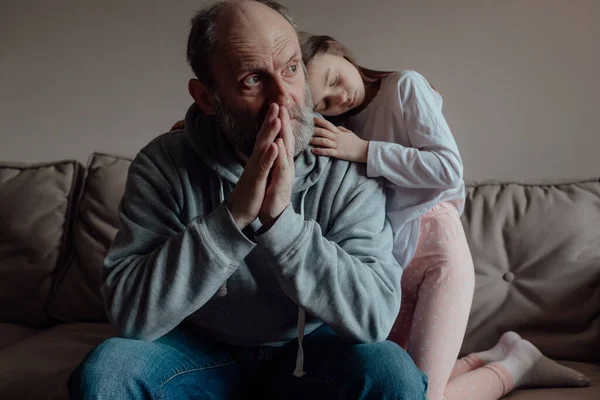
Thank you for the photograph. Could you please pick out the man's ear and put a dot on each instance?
(202, 96)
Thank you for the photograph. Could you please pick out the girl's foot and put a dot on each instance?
(500, 351)
(530, 368)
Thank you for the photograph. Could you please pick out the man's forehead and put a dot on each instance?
(254, 51)
(255, 33)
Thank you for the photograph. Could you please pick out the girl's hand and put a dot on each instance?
(338, 142)
(178, 125)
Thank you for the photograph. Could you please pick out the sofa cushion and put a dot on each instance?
(536, 250)
(36, 203)
(77, 296)
(591, 392)
(38, 367)
(12, 333)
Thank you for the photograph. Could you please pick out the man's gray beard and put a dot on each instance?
(241, 127)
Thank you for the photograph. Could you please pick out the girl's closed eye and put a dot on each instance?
(335, 81)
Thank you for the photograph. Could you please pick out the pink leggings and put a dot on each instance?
(437, 291)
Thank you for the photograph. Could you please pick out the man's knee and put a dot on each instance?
(386, 371)
(114, 360)
(401, 374)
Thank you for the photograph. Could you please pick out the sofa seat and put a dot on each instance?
(591, 392)
(12, 333)
(40, 363)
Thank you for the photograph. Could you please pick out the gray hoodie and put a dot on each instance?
(330, 252)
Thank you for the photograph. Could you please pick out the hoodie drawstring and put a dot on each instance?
(299, 371)
(223, 289)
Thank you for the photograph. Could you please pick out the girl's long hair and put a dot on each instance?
(313, 45)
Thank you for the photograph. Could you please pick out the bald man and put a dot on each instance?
(246, 266)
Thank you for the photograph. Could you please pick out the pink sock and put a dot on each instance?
(466, 364)
(490, 382)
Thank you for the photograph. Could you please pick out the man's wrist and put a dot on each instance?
(283, 235)
(266, 226)
(221, 230)
(239, 221)
(268, 221)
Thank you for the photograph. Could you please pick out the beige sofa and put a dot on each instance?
(536, 250)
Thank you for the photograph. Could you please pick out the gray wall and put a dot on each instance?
(518, 76)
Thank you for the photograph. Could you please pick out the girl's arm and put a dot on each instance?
(432, 160)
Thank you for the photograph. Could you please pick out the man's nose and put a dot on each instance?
(281, 93)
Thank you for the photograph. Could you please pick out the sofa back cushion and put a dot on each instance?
(36, 204)
(77, 295)
(536, 250)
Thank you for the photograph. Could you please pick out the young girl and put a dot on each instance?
(405, 139)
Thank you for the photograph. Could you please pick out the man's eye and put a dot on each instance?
(292, 69)
(252, 80)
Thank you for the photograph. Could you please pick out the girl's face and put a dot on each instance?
(335, 84)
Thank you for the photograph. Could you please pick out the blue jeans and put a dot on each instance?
(185, 365)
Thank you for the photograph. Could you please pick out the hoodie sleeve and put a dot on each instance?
(159, 269)
(433, 160)
(347, 278)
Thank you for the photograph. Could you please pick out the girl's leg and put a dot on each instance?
(428, 283)
(441, 280)
(401, 329)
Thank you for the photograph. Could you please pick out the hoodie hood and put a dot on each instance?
(206, 137)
